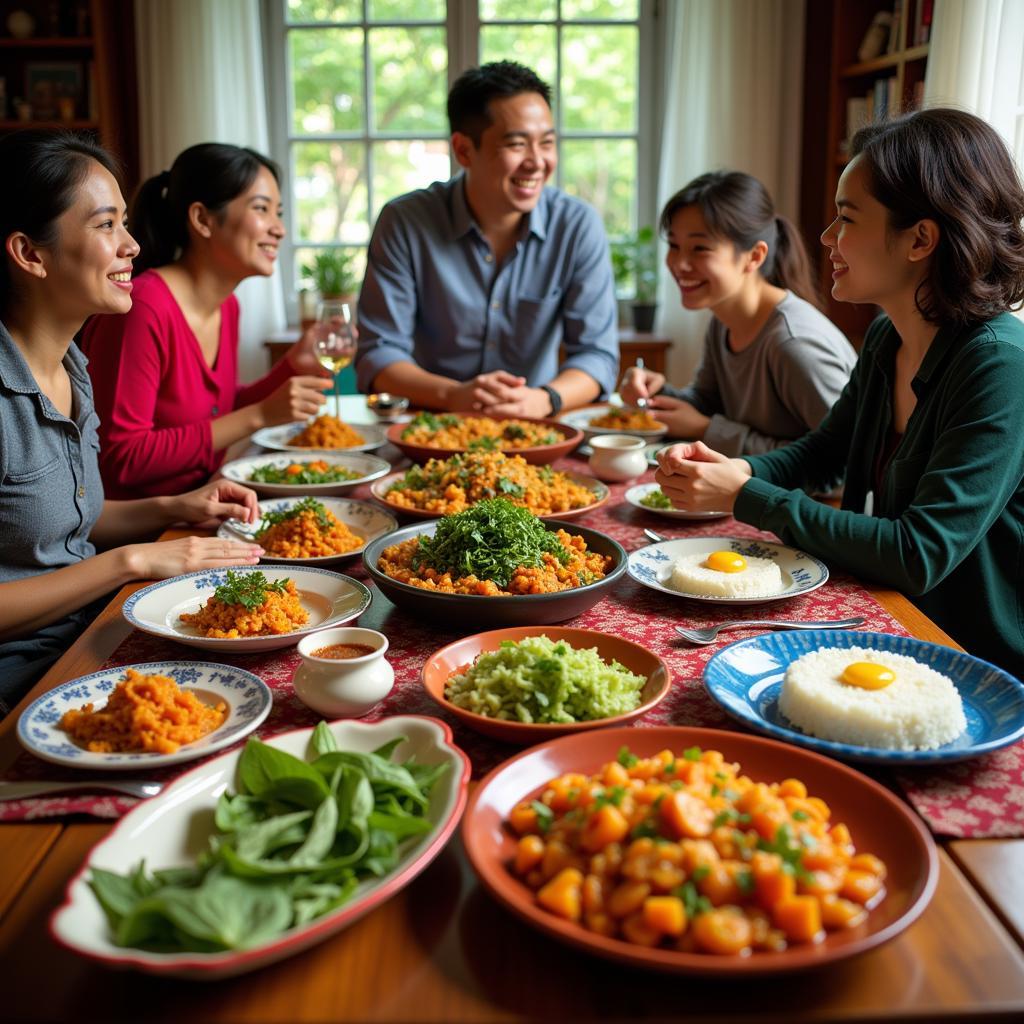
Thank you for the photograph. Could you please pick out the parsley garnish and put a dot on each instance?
(693, 902)
(506, 486)
(248, 590)
(626, 758)
(610, 796)
(306, 505)
(545, 816)
(483, 444)
(692, 753)
(800, 815)
(513, 432)
(645, 830)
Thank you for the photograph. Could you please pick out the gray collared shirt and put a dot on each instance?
(434, 296)
(50, 498)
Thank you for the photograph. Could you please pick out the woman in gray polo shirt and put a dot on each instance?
(68, 255)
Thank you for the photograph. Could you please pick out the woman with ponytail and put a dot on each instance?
(165, 373)
(773, 364)
(67, 255)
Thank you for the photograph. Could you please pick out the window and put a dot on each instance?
(358, 102)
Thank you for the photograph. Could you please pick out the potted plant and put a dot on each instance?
(635, 267)
(332, 273)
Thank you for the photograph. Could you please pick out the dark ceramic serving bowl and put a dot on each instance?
(495, 612)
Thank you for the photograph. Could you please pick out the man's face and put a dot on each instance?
(516, 156)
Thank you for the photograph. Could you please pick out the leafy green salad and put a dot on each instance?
(291, 846)
(538, 680)
(656, 498)
(302, 473)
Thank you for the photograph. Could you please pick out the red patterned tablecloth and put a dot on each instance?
(974, 799)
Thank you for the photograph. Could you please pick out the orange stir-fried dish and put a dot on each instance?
(327, 432)
(306, 530)
(683, 851)
(494, 548)
(451, 485)
(248, 604)
(627, 419)
(147, 714)
(477, 433)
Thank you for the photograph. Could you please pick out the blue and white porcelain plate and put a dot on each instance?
(279, 438)
(745, 678)
(801, 572)
(369, 467)
(247, 697)
(362, 518)
(329, 598)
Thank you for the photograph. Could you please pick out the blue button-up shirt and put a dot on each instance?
(434, 296)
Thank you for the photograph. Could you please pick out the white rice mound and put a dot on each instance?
(920, 710)
(761, 578)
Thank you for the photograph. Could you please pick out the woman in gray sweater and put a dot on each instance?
(773, 363)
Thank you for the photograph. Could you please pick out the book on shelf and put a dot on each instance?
(857, 117)
(924, 11)
(894, 27)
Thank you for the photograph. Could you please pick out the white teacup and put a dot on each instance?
(343, 687)
(618, 456)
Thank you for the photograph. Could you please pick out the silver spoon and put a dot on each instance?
(655, 536)
(641, 403)
(707, 636)
(247, 531)
(22, 790)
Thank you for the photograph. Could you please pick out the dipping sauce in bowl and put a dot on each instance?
(342, 651)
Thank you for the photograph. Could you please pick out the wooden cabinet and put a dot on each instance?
(833, 77)
(75, 68)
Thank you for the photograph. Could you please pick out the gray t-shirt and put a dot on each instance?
(778, 388)
(50, 498)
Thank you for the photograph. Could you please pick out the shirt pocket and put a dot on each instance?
(904, 477)
(537, 315)
(28, 475)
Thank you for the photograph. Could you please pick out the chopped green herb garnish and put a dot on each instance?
(800, 815)
(271, 474)
(692, 753)
(610, 796)
(700, 872)
(513, 432)
(656, 499)
(247, 589)
(626, 758)
(506, 486)
(545, 816)
(745, 881)
(483, 444)
(645, 830)
(299, 508)
(693, 902)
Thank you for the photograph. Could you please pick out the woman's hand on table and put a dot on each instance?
(697, 479)
(163, 559)
(681, 418)
(638, 382)
(213, 502)
(298, 398)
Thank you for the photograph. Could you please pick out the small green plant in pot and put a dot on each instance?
(635, 267)
(332, 273)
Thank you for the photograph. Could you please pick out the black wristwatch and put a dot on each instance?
(554, 397)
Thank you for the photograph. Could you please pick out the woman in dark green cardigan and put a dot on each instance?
(929, 432)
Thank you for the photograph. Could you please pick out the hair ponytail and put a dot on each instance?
(211, 173)
(737, 207)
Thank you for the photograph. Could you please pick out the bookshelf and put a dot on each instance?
(76, 69)
(838, 86)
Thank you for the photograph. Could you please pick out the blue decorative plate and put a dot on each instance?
(248, 699)
(745, 678)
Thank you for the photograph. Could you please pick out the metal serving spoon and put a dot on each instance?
(22, 790)
(707, 636)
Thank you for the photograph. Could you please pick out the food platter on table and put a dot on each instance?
(634, 495)
(279, 438)
(362, 518)
(651, 566)
(582, 420)
(497, 610)
(247, 697)
(379, 490)
(454, 657)
(878, 821)
(366, 467)
(538, 455)
(745, 679)
(329, 599)
(163, 832)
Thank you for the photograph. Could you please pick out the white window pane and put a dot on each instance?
(324, 10)
(603, 172)
(401, 166)
(409, 79)
(623, 10)
(327, 80)
(518, 10)
(329, 180)
(599, 78)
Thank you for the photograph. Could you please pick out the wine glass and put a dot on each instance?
(334, 342)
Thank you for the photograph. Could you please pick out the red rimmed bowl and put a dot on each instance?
(538, 455)
(879, 823)
(459, 655)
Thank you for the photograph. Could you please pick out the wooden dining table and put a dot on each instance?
(442, 950)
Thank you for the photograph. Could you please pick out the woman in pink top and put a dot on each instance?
(165, 374)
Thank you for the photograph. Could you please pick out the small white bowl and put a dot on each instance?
(343, 687)
(618, 457)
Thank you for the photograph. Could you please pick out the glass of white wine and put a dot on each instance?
(335, 342)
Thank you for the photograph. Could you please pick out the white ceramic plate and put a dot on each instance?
(248, 699)
(360, 517)
(801, 572)
(278, 438)
(369, 467)
(634, 494)
(171, 830)
(330, 599)
(581, 419)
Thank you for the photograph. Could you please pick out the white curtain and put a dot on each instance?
(201, 80)
(733, 87)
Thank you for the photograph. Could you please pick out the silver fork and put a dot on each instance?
(641, 403)
(22, 790)
(708, 636)
(247, 531)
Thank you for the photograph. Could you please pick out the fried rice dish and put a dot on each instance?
(306, 530)
(248, 604)
(472, 433)
(327, 432)
(626, 419)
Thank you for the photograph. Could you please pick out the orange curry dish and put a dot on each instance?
(327, 432)
(144, 714)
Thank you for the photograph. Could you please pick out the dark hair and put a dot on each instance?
(41, 171)
(474, 89)
(952, 167)
(211, 173)
(737, 207)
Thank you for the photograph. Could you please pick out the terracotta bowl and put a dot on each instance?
(459, 655)
(879, 823)
(540, 455)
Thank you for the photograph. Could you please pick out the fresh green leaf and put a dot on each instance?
(261, 766)
(247, 589)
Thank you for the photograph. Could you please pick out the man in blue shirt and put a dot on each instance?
(473, 284)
